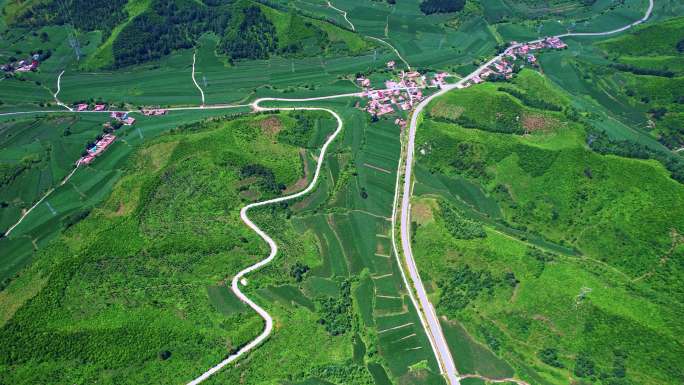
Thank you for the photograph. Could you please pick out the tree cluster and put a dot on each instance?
(267, 179)
(462, 285)
(86, 15)
(531, 101)
(254, 38)
(601, 143)
(441, 6)
(336, 313)
(299, 134)
(643, 71)
(459, 226)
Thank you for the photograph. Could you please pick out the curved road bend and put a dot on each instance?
(235, 286)
(434, 328)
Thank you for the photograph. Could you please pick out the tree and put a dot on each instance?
(298, 271)
(680, 46)
(549, 356)
(584, 366)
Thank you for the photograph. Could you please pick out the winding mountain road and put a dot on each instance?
(426, 311)
(235, 285)
(194, 55)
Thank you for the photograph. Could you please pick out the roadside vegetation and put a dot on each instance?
(564, 240)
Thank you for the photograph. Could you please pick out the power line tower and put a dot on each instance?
(72, 33)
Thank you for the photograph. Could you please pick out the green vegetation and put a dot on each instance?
(441, 6)
(335, 313)
(458, 226)
(548, 311)
(547, 224)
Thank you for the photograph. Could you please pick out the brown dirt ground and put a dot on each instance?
(271, 126)
(421, 211)
(532, 123)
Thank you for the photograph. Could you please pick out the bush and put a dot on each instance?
(584, 366)
(336, 313)
(298, 271)
(458, 226)
(549, 356)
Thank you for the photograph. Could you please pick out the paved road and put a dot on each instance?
(235, 286)
(434, 328)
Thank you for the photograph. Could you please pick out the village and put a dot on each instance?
(401, 94)
(120, 118)
(502, 68)
(407, 88)
(28, 64)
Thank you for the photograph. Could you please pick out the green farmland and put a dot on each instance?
(545, 220)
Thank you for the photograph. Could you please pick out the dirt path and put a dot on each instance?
(50, 191)
(59, 88)
(344, 14)
(194, 80)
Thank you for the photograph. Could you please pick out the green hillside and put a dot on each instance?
(137, 31)
(651, 68)
(562, 262)
(147, 294)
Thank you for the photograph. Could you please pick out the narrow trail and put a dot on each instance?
(194, 80)
(394, 49)
(50, 191)
(494, 380)
(236, 282)
(344, 14)
(59, 88)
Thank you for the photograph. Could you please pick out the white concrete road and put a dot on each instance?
(434, 328)
(237, 279)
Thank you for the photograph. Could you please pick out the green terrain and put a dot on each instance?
(560, 261)
(547, 222)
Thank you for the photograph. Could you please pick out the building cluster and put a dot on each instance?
(503, 67)
(123, 117)
(86, 107)
(96, 149)
(439, 79)
(24, 65)
(398, 95)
